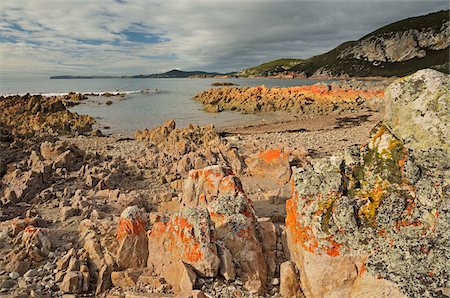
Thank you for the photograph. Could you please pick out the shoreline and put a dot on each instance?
(72, 198)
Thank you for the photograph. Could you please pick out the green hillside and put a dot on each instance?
(331, 63)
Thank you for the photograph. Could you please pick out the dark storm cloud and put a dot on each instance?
(101, 36)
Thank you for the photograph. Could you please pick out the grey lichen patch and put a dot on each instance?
(229, 204)
(393, 206)
(201, 223)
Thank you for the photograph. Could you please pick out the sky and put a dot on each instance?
(124, 37)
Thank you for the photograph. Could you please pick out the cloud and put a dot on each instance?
(139, 36)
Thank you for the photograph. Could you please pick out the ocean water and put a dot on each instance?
(164, 99)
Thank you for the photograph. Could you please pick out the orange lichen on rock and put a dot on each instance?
(273, 163)
(270, 155)
(203, 185)
(131, 222)
(186, 237)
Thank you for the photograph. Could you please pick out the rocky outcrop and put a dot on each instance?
(374, 221)
(35, 114)
(217, 224)
(315, 99)
(174, 152)
(399, 46)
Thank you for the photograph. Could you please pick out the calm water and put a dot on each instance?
(144, 110)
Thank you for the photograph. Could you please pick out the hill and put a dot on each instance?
(270, 68)
(170, 74)
(397, 49)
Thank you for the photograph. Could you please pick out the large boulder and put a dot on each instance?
(374, 223)
(187, 237)
(233, 217)
(418, 109)
(132, 237)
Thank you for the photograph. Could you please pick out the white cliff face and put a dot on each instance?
(399, 46)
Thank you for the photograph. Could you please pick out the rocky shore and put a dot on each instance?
(277, 209)
(334, 98)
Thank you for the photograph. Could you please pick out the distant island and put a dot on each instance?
(170, 74)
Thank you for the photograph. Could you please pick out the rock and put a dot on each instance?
(417, 109)
(126, 279)
(131, 234)
(63, 262)
(30, 273)
(226, 262)
(205, 184)
(148, 278)
(36, 243)
(272, 164)
(198, 294)
(269, 242)
(68, 212)
(289, 281)
(42, 115)
(398, 46)
(14, 275)
(74, 264)
(180, 276)
(103, 280)
(315, 99)
(19, 267)
(72, 282)
(233, 216)
(374, 221)
(186, 237)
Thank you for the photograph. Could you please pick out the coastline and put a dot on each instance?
(71, 195)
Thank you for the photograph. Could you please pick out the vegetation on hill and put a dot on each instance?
(270, 68)
(335, 63)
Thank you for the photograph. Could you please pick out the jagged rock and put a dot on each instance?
(234, 219)
(272, 164)
(269, 243)
(186, 237)
(315, 99)
(131, 234)
(16, 225)
(227, 269)
(18, 266)
(204, 185)
(34, 243)
(126, 279)
(36, 114)
(180, 276)
(378, 224)
(72, 282)
(289, 282)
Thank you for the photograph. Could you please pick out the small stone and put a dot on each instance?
(275, 281)
(30, 273)
(14, 275)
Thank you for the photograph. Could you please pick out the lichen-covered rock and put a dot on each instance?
(233, 215)
(418, 109)
(377, 222)
(132, 237)
(203, 186)
(36, 114)
(315, 99)
(187, 237)
(272, 164)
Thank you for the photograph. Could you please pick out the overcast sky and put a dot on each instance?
(143, 36)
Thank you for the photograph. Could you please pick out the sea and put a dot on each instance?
(147, 102)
